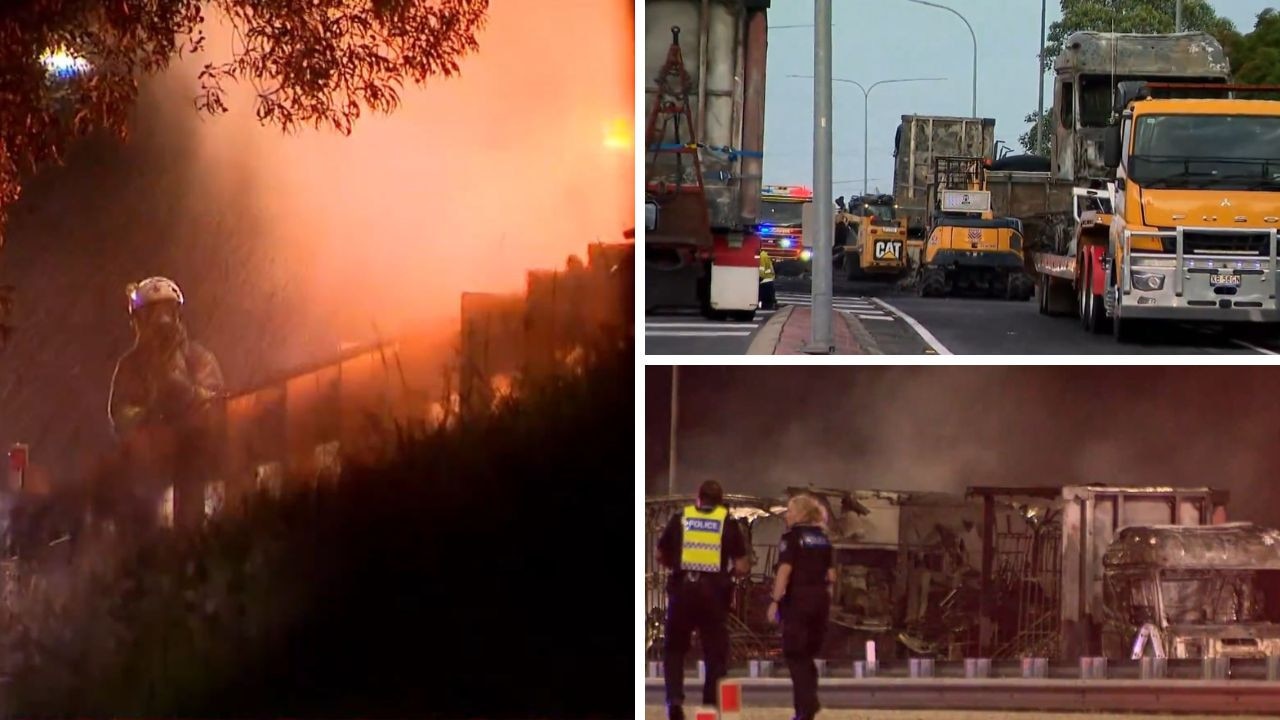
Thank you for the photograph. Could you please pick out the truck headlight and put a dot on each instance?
(805, 255)
(1148, 281)
(784, 243)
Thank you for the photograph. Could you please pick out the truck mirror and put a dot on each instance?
(651, 216)
(1111, 147)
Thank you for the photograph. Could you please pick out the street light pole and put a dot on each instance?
(820, 341)
(1040, 123)
(975, 46)
(1177, 16)
(866, 123)
(671, 448)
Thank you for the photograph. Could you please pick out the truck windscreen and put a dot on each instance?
(786, 214)
(1206, 151)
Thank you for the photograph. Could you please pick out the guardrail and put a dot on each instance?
(1209, 686)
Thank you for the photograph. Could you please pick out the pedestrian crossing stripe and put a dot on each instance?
(860, 307)
(697, 333)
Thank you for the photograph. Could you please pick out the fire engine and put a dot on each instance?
(781, 224)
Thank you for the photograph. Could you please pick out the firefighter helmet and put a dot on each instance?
(153, 290)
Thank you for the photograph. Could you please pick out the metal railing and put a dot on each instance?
(1216, 686)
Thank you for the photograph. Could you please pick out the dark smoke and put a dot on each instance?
(759, 429)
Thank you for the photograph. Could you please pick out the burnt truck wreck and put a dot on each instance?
(1010, 572)
(1193, 592)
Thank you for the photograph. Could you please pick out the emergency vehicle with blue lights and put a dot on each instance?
(781, 223)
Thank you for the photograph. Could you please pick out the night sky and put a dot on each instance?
(759, 429)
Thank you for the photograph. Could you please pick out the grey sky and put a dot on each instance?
(884, 39)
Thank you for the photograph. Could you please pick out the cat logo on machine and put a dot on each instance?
(888, 249)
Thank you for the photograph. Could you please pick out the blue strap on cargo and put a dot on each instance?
(730, 153)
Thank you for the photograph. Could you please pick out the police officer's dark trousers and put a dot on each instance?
(804, 627)
(702, 605)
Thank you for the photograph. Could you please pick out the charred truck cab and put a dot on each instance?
(1193, 592)
(1195, 198)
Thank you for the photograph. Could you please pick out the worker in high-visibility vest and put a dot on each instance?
(768, 298)
(704, 548)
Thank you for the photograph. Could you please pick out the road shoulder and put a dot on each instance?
(770, 334)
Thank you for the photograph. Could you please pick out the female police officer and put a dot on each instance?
(802, 597)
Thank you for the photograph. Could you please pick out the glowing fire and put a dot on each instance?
(618, 135)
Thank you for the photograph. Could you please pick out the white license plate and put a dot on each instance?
(1224, 279)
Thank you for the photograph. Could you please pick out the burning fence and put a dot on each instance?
(303, 424)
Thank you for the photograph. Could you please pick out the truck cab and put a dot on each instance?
(1073, 252)
(1197, 184)
(1193, 592)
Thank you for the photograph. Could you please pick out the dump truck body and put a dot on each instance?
(702, 248)
(920, 139)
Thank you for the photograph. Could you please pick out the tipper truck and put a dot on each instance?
(704, 104)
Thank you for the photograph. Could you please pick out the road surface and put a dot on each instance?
(904, 324)
(659, 713)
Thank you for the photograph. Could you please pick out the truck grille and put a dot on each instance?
(1199, 243)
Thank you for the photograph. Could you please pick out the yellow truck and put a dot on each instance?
(872, 238)
(1194, 206)
(1160, 204)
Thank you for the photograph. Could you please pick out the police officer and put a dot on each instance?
(702, 545)
(801, 598)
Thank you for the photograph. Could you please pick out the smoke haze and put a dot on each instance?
(759, 429)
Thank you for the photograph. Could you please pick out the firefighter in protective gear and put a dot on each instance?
(768, 297)
(801, 600)
(703, 546)
(163, 402)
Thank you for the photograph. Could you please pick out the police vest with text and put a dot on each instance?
(703, 539)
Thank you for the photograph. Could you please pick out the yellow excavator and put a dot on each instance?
(872, 237)
(969, 250)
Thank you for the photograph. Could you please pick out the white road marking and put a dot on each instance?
(693, 325)
(699, 327)
(927, 336)
(1253, 347)
(860, 306)
(696, 333)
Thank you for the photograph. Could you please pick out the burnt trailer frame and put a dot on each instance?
(1092, 517)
